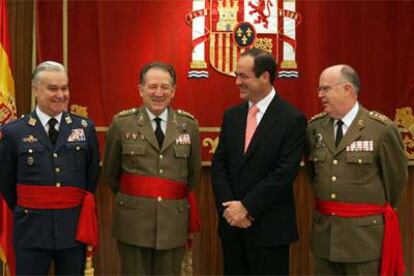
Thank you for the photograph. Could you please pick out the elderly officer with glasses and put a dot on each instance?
(359, 171)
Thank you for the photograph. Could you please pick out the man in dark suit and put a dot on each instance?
(49, 165)
(253, 169)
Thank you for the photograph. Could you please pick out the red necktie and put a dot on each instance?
(250, 126)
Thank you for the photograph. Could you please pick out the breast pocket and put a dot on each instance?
(31, 158)
(77, 152)
(360, 164)
(131, 154)
(182, 154)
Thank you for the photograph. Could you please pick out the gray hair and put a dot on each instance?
(157, 65)
(350, 75)
(50, 66)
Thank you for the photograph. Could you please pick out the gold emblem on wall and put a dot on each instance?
(79, 110)
(404, 119)
(212, 143)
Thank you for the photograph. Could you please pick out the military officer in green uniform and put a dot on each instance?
(152, 162)
(359, 171)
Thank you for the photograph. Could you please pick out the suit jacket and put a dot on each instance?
(368, 166)
(28, 157)
(131, 147)
(262, 178)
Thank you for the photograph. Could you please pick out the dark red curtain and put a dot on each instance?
(109, 41)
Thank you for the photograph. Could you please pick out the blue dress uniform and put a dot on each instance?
(28, 157)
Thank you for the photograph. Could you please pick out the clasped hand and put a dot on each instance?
(236, 215)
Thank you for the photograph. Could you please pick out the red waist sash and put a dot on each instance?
(153, 187)
(51, 197)
(392, 262)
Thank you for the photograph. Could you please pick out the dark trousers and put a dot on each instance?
(70, 261)
(241, 257)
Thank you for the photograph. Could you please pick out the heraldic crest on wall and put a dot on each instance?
(223, 29)
(404, 119)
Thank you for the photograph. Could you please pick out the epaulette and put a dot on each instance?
(318, 116)
(127, 112)
(185, 114)
(379, 117)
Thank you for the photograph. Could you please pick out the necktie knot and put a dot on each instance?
(52, 122)
(159, 134)
(253, 110)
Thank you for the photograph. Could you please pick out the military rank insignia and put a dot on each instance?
(183, 139)
(84, 123)
(366, 145)
(30, 139)
(32, 121)
(77, 135)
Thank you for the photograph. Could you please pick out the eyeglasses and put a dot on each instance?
(326, 88)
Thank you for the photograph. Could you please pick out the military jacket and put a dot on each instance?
(368, 166)
(131, 147)
(28, 157)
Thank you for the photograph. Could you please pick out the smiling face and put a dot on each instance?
(251, 88)
(51, 90)
(157, 90)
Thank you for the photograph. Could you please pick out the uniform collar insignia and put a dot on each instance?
(68, 120)
(360, 123)
(32, 121)
(84, 123)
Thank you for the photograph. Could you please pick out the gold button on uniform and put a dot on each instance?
(57, 169)
(333, 178)
(159, 199)
(315, 159)
(374, 221)
(30, 151)
(335, 162)
(161, 171)
(55, 155)
(359, 161)
(161, 156)
(77, 148)
(333, 196)
(58, 184)
(26, 211)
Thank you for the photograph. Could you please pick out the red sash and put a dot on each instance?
(51, 197)
(153, 187)
(392, 262)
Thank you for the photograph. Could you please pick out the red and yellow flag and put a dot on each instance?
(7, 113)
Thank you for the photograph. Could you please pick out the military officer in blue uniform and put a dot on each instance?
(49, 160)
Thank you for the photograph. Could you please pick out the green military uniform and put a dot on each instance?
(368, 166)
(131, 147)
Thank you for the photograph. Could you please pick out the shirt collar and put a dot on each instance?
(264, 103)
(163, 115)
(44, 118)
(350, 116)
